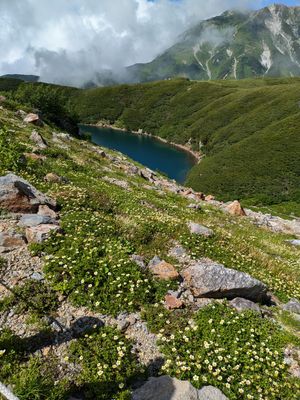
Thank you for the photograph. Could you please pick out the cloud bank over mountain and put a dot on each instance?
(71, 41)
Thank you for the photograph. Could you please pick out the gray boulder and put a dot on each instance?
(293, 306)
(139, 260)
(165, 388)
(38, 140)
(18, 195)
(206, 278)
(197, 229)
(29, 220)
(241, 304)
(295, 242)
(211, 393)
(154, 261)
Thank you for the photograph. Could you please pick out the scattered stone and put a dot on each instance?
(241, 304)
(38, 140)
(201, 303)
(165, 388)
(20, 113)
(2, 99)
(209, 198)
(164, 270)
(154, 261)
(117, 182)
(177, 251)
(207, 278)
(61, 135)
(33, 119)
(147, 174)
(292, 359)
(47, 212)
(40, 233)
(35, 157)
(123, 325)
(211, 393)
(139, 260)
(10, 241)
(197, 229)
(30, 220)
(194, 206)
(172, 303)
(295, 242)
(235, 208)
(18, 195)
(293, 306)
(37, 276)
(53, 178)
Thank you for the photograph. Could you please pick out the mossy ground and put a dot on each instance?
(89, 263)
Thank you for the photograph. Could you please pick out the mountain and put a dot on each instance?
(234, 45)
(25, 78)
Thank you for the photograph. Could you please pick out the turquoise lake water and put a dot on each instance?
(147, 150)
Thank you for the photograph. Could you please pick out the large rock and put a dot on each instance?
(165, 388)
(293, 306)
(206, 278)
(38, 140)
(47, 212)
(164, 271)
(30, 220)
(33, 119)
(172, 302)
(18, 195)
(211, 393)
(235, 208)
(197, 229)
(53, 178)
(40, 233)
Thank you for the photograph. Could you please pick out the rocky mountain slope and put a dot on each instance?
(113, 276)
(234, 45)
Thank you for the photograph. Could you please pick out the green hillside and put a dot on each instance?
(248, 130)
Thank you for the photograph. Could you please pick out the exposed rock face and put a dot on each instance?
(147, 174)
(211, 393)
(209, 197)
(293, 306)
(235, 208)
(164, 270)
(292, 358)
(38, 140)
(30, 220)
(33, 119)
(165, 388)
(154, 261)
(197, 229)
(117, 182)
(241, 304)
(172, 302)
(40, 233)
(47, 212)
(18, 195)
(206, 278)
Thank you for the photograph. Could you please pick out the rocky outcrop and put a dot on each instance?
(165, 388)
(18, 195)
(164, 270)
(206, 278)
(40, 233)
(293, 306)
(33, 119)
(197, 229)
(211, 393)
(31, 220)
(10, 241)
(38, 140)
(235, 208)
(172, 302)
(292, 359)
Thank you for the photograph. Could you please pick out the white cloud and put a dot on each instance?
(70, 40)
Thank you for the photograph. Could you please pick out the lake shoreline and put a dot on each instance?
(195, 154)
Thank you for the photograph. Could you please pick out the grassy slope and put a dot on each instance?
(249, 129)
(89, 263)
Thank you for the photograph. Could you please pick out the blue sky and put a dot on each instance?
(287, 2)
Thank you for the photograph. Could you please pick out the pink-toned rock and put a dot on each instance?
(235, 208)
(209, 198)
(33, 119)
(164, 271)
(200, 195)
(172, 303)
(46, 211)
(40, 233)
